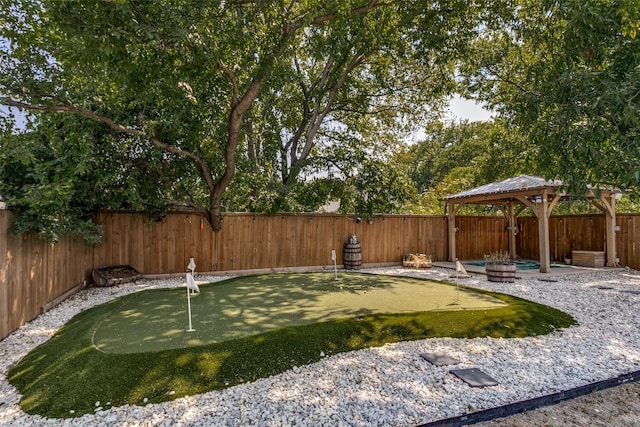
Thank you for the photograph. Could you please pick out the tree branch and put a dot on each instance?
(354, 12)
(233, 80)
(511, 82)
(320, 113)
(291, 27)
(73, 109)
(206, 172)
(204, 169)
(319, 116)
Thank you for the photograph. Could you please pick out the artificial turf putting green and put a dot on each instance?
(158, 320)
(67, 375)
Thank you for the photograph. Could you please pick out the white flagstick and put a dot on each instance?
(335, 266)
(192, 267)
(189, 304)
(458, 265)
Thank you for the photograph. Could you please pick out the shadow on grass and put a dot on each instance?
(67, 373)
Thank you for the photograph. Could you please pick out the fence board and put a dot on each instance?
(368, 235)
(394, 251)
(251, 241)
(433, 237)
(478, 236)
(7, 260)
(628, 240)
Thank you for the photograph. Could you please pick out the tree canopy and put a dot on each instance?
(247, 105)
(230, 104)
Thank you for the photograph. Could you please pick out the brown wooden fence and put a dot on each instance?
(250, 241)
(581, 233)
(35, 273)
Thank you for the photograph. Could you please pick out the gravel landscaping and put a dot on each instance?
(390, 385)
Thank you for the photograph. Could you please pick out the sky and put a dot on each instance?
(460, 109)
(463, 109)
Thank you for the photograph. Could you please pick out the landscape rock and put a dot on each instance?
(389, 385)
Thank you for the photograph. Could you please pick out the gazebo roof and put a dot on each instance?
(513, 188)
(507, 189)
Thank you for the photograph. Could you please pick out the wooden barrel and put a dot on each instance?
(352, 256)
(501, 272)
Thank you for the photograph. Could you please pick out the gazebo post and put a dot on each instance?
(609, 210)
(610, 226)
(542, 210)
(451, 217)
(543, 234)
(512, 232)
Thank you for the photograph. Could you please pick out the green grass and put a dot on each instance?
(251, 305)
(68, 373)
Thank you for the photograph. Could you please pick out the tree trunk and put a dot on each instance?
(215, 211)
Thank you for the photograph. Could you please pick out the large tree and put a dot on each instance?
(567, 74)
(230, 85)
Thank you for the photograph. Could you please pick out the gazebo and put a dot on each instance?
(513, 195)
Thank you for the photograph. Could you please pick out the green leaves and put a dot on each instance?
(461, 156)
(629, 12)
(567, 75)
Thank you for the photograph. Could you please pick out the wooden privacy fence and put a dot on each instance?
(250, 241)
(569, 233)
(35, 273)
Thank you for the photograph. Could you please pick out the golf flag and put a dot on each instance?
(191, 284)
(333, 255)
(192, 265)
(460, 269)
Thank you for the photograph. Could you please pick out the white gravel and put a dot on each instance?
(389, 385)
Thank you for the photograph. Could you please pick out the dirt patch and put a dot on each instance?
(616, 406)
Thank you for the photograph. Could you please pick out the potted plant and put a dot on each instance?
(417, 260)
(499, 267)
